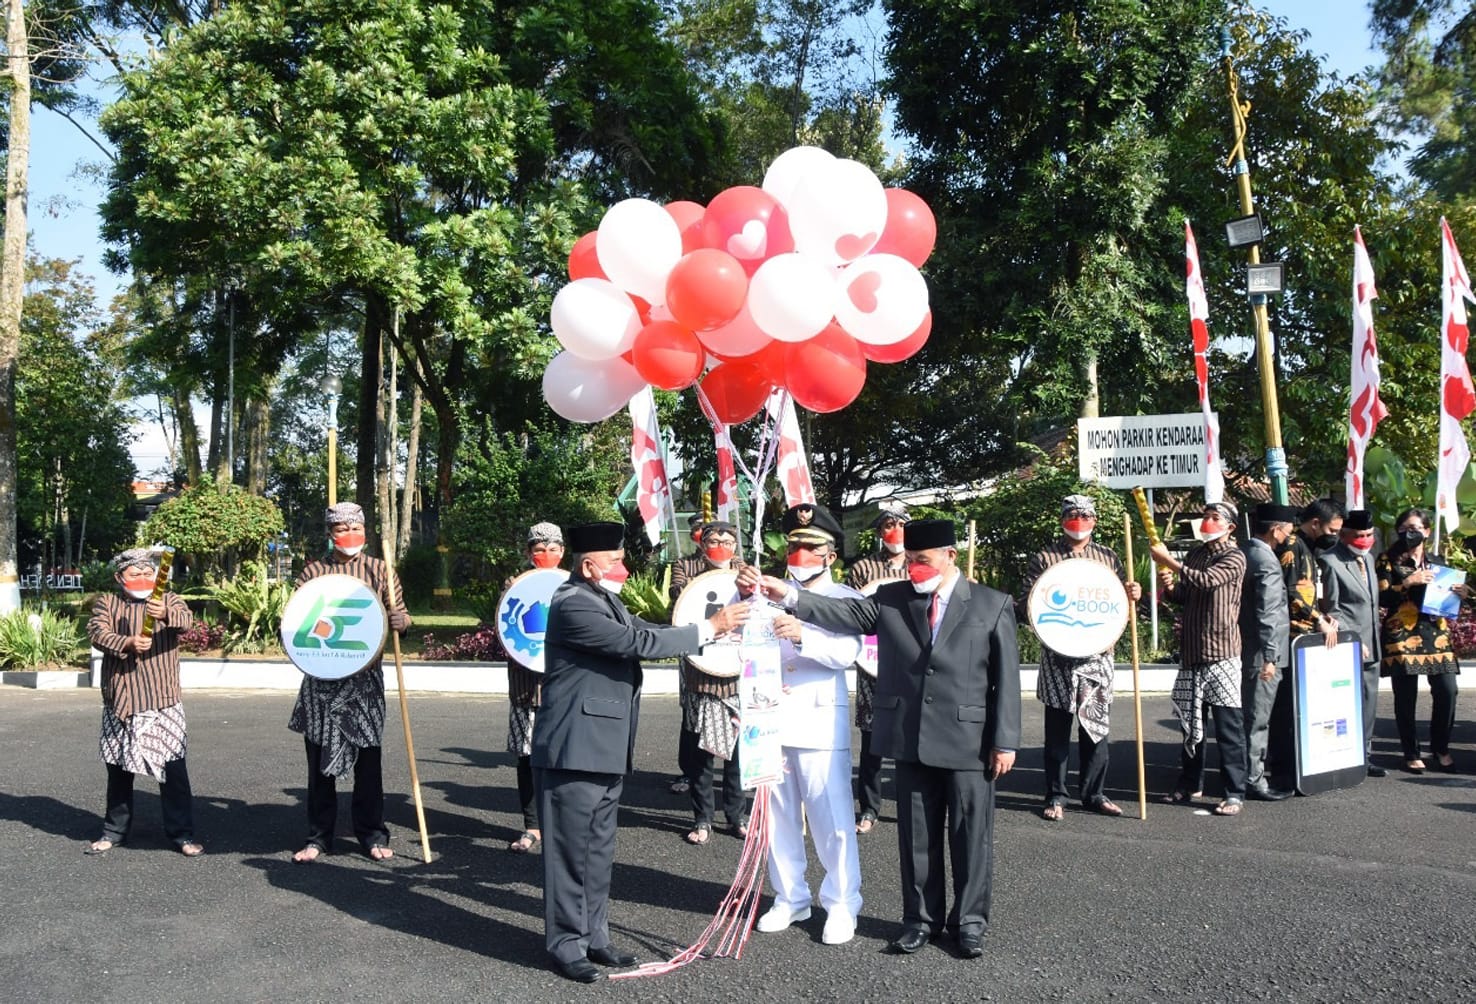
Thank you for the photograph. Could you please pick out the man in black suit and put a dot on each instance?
(1350, 596)
(584, 739)
(947, 711)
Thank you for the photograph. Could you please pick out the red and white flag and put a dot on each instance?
(791, 466)
(1457, 397)
(1367, 408)
(653, 489)
(1214, 475)
(726, 501)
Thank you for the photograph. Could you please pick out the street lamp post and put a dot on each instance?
(331, 386)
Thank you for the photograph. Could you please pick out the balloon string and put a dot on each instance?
(764, 457)
(733, 922)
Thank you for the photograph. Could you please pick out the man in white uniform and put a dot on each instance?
(815, 732)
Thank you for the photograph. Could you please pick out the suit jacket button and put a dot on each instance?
(927, 700)
(929, 672)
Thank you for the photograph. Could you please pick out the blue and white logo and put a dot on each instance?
(522, 615)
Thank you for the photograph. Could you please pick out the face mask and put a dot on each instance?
(892, 540)
(140, 594)
(1361, 544)
(1326, 542)
(348, 552)
(613, 578)
(1411, 539)
(719, 554)
(804, 565)
(1077, 529)
(545, 559)
(925, 578)
(1212, 530)
(348, 544)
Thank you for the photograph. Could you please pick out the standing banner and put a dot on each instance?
(1457, 397)
(1214, 477)
(792, 468)
(760, 689)
(653, 492)
(1367, 408)
(1327, 707)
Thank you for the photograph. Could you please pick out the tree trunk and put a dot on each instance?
(376, 315)
(412, 451)
(189, 436)
(215, 456)
(1091, 404)
(12, 287)
(258, 431)
(385, 482)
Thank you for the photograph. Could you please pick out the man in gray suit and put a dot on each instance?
(584, 739)
(947, 711)
(1350, 596)
(1265, 638)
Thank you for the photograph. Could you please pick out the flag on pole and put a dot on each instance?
(1457, 397)
(1367, 408)
(726, 497)
(653, 489)
(1214, 475)
(791, 465)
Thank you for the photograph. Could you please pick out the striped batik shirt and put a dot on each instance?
(1208, 588)
(132, 683)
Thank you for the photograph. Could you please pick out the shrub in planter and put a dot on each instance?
(481, 645)
(31, 638)
(202, 636)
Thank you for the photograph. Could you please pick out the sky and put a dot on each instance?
(66, 165)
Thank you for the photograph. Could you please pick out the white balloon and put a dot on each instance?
(881, 299)
(792, 297)
(593, 318)
(790, 167)
(837, 213)
(637, 244)
(587, 390)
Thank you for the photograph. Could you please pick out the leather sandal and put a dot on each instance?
(1053, 811)
(699, 834)
(1106, 807)
(866, 822)
(527, 842)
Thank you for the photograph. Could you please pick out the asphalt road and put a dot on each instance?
(1363, 894)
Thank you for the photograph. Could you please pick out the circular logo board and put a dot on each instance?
(1078, 608)
(334, 626)
(522, 615)
(704, 596)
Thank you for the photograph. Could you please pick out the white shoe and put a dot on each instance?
(779, 917)
(840, 927)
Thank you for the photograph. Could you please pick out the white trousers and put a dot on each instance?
(814, 784)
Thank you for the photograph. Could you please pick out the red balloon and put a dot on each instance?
(749, 224)
(911, 230)
(825, 373)
(582, 261)
(706, 289)
(688, 216)
(906, 348)
(667, 355)
(737, 390)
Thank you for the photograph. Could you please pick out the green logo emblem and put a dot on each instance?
(324, 623)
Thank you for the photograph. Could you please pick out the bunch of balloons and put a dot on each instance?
(797, 284)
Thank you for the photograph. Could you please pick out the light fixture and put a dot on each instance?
(1263, 278)
(1244, 231)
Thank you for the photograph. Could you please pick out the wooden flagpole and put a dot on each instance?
(970, 573)
(389, 571)
(1127, 536)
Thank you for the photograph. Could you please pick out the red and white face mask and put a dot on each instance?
(925, 578)
(613, 578)
(718, 554)
(1078, 527)
(805, 564)
(892, 539)
(137, 582)
(348, 541)
(1362, 544)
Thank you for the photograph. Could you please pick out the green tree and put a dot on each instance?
(73, 488)
(216, 524)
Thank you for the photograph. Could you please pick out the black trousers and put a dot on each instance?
(868, 777)
(1094, 757)
(367, 806)
(175, 800)
(527, 795)
(1229, 728)
(1370, 706)
(697, 764)
(579, 812)
(1443, 691)
(934, 804)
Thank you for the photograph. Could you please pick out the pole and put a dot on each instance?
(389, 572)
(230, 422)
(332, 448)
(1152, 597)
(1127, 536)
(970, 574)
(1276, 467)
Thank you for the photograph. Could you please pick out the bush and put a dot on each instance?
(644, 598)
(31, 638)
(480, 600)
(255, 606)
(97, 577)
(481, 645)
(202, 636)
(215, 523)
(419, 571)
(1463, 634)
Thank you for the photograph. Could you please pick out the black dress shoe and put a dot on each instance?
(970, 946)
(1377, 771)
(1268, 794)
(608, 956)
(580, 971)
(910, 940)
